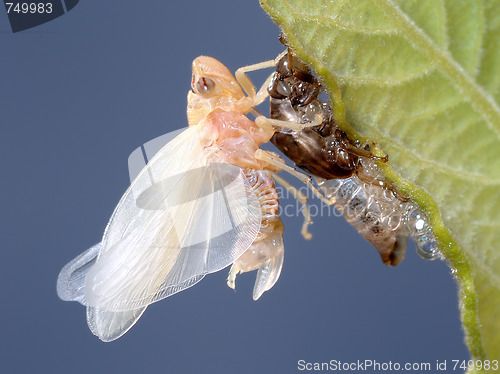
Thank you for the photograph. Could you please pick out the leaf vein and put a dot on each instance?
(478, 98)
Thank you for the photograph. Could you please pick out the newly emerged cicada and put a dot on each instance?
(205, 201)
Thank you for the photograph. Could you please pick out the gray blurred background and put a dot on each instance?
(78, 95)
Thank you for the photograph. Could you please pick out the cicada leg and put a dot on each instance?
(366, 153)
(301, 198)
(278, 164)
(265, 122)
(247, 85)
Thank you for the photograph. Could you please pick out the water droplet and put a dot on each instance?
(420, 224)
(389, 195)
(427, 247)
(394, 222)
(312, 110)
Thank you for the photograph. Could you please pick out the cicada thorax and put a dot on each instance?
(344, 170)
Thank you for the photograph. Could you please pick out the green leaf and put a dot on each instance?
(422, 79)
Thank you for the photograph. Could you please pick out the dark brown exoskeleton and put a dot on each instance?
(324, 150)
(344, 169)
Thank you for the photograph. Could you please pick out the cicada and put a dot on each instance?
(203, 202)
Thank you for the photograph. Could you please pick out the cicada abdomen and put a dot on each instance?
(266, 253)
(345, 171)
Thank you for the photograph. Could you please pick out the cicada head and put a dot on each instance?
(213, 86)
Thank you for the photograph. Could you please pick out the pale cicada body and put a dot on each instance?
(202, 203)
(345, 171)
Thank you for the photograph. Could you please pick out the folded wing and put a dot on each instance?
(183, 217)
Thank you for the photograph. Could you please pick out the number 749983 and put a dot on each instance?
(29, 8)
(475, 364)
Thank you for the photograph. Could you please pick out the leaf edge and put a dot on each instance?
(456, 258)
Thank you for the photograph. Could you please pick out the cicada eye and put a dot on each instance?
(203, 86)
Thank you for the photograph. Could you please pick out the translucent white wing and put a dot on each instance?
(109, 326)
(71, 280)
(140, 156)
(183, 217)
(71, 287)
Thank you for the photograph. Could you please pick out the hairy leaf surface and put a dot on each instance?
(422, 79)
